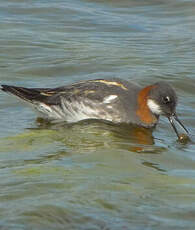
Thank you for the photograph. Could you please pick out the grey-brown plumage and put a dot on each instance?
(98, 99)
(113, 99)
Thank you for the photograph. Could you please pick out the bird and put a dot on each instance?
(116, 100)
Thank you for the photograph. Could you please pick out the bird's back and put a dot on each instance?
(112, 99)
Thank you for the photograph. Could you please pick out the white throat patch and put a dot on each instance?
(154, 107)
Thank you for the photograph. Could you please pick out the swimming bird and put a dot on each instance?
(114, 100)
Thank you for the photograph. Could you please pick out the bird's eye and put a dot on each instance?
(166, 99)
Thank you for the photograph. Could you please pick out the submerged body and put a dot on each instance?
(114, 100)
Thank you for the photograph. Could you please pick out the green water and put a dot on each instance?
(95, 175)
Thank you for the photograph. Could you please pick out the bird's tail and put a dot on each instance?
(27, 94)
(38, 98)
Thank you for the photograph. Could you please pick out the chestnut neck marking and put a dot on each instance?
(143, 111)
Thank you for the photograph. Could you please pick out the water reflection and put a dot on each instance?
(90, 135)
(153, 165)
(94, 134)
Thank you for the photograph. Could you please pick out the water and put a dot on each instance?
(95, 175)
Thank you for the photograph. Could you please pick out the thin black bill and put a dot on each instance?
(173, 124)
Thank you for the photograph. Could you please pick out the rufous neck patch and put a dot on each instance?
(143, 112)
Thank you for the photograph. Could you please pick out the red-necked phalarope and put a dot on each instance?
(113, 99)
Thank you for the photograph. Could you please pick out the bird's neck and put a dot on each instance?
(143, 112)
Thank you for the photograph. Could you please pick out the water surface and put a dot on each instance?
(95, 175)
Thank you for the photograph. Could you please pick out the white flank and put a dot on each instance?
(154, 107)
(109, 99)
(47, 111)
(77, 110)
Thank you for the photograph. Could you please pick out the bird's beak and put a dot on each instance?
(170, 117)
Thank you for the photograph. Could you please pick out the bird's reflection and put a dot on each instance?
(63, 141)
(94, 134)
